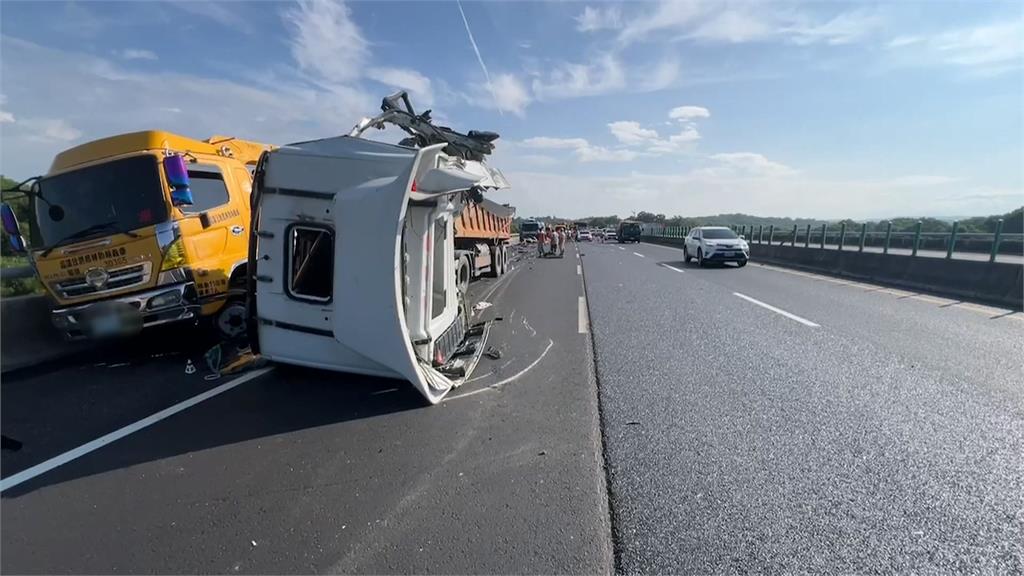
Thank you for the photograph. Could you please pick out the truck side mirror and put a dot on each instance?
(10, 224)
(177, 178)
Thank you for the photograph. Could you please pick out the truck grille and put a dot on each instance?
(119, 278)
(452, 337)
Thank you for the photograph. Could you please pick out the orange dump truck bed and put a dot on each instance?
(486, 220)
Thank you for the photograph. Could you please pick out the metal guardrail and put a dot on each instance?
(839, 238)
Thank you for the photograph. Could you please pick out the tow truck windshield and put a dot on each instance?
(117, 196)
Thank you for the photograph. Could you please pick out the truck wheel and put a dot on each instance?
(495, 270)
(231, 319)
(462, 274)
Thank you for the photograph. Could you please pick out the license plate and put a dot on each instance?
(728, 254)
(108, 324)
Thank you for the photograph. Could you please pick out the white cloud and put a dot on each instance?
(548, 143)
(583, 150)
(417, 84)
(688, 112)
(688, 134)
(326, 43)
(748, 164)
(51, 130)
(629, 132)
(227, 14)
(509, 95)
(604, 18)
(99, 99)
(137, 54)
(601, 154)
(6, 117)
(719, 21)
(663, 74)
(985, 49)
(572, 80)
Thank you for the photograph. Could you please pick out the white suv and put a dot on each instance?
(715, 244)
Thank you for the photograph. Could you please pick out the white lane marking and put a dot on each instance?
(579, 270)
(621, 248)
(673, 268)
(43, 467)
(512, 378)
(803, 321)
(639, 254)
(583, 320)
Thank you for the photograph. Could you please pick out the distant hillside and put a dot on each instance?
(1013, 222)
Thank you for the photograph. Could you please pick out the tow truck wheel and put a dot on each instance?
(231, 319)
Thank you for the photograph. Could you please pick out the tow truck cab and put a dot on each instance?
(121, 244)
(353, 245)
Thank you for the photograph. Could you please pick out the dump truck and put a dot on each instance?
(483, 232)
(353, 251)
(142, 229)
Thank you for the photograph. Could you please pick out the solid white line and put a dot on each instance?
(42, 468)
(674, 268)
(639, 254)
(516, 376)
(579, 270)
(583, 320)
(620, 248)
(777, 310)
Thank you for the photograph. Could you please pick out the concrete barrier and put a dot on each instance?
(27, 337)
(997, 283)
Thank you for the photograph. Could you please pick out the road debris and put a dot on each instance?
(492, 353)
(481, 306)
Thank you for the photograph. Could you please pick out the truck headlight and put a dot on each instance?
(169, 298)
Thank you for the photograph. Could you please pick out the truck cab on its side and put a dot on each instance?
(353, 250)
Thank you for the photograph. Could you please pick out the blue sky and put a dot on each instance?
(817, 109)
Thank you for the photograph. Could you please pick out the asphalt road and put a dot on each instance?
(302, 471)
(845, 429)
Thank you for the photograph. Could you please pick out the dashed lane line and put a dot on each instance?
(673, 268)
(639, 254)
(789, 315)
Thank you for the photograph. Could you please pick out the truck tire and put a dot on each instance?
(231, 321)
(463, 271)
(496, 264)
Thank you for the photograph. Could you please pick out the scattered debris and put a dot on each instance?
(632, 423)
(190, 368)
(253, 543)
(492, 353)
(542, 453)
(481, 306)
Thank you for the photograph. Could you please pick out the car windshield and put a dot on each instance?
(719, 234)
(121, 195)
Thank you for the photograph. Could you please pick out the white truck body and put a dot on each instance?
(391, 308)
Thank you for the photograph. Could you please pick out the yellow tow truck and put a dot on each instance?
(142, 229)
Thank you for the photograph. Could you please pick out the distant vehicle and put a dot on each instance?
(528, 230)
(715, 244)
(584, 236)
(598, 233)
(629, 232)
(609, 235)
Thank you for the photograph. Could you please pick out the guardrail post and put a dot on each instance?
(888, 237)
(793, 241)
(771, 234)
(995, 240)
(917, 238)
(824, 230)
(863, 234)
(952, 240)
(842, 235)
(807, 239)
(743, 230)
(760, 233)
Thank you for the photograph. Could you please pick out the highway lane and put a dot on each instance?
(308, 471)
(886, 434)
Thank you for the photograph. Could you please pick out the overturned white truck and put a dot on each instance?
(352, 245)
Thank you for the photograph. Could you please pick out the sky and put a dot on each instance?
(818, 109)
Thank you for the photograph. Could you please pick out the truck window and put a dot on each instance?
(439, 298)
(311, 263)
(208, 188)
